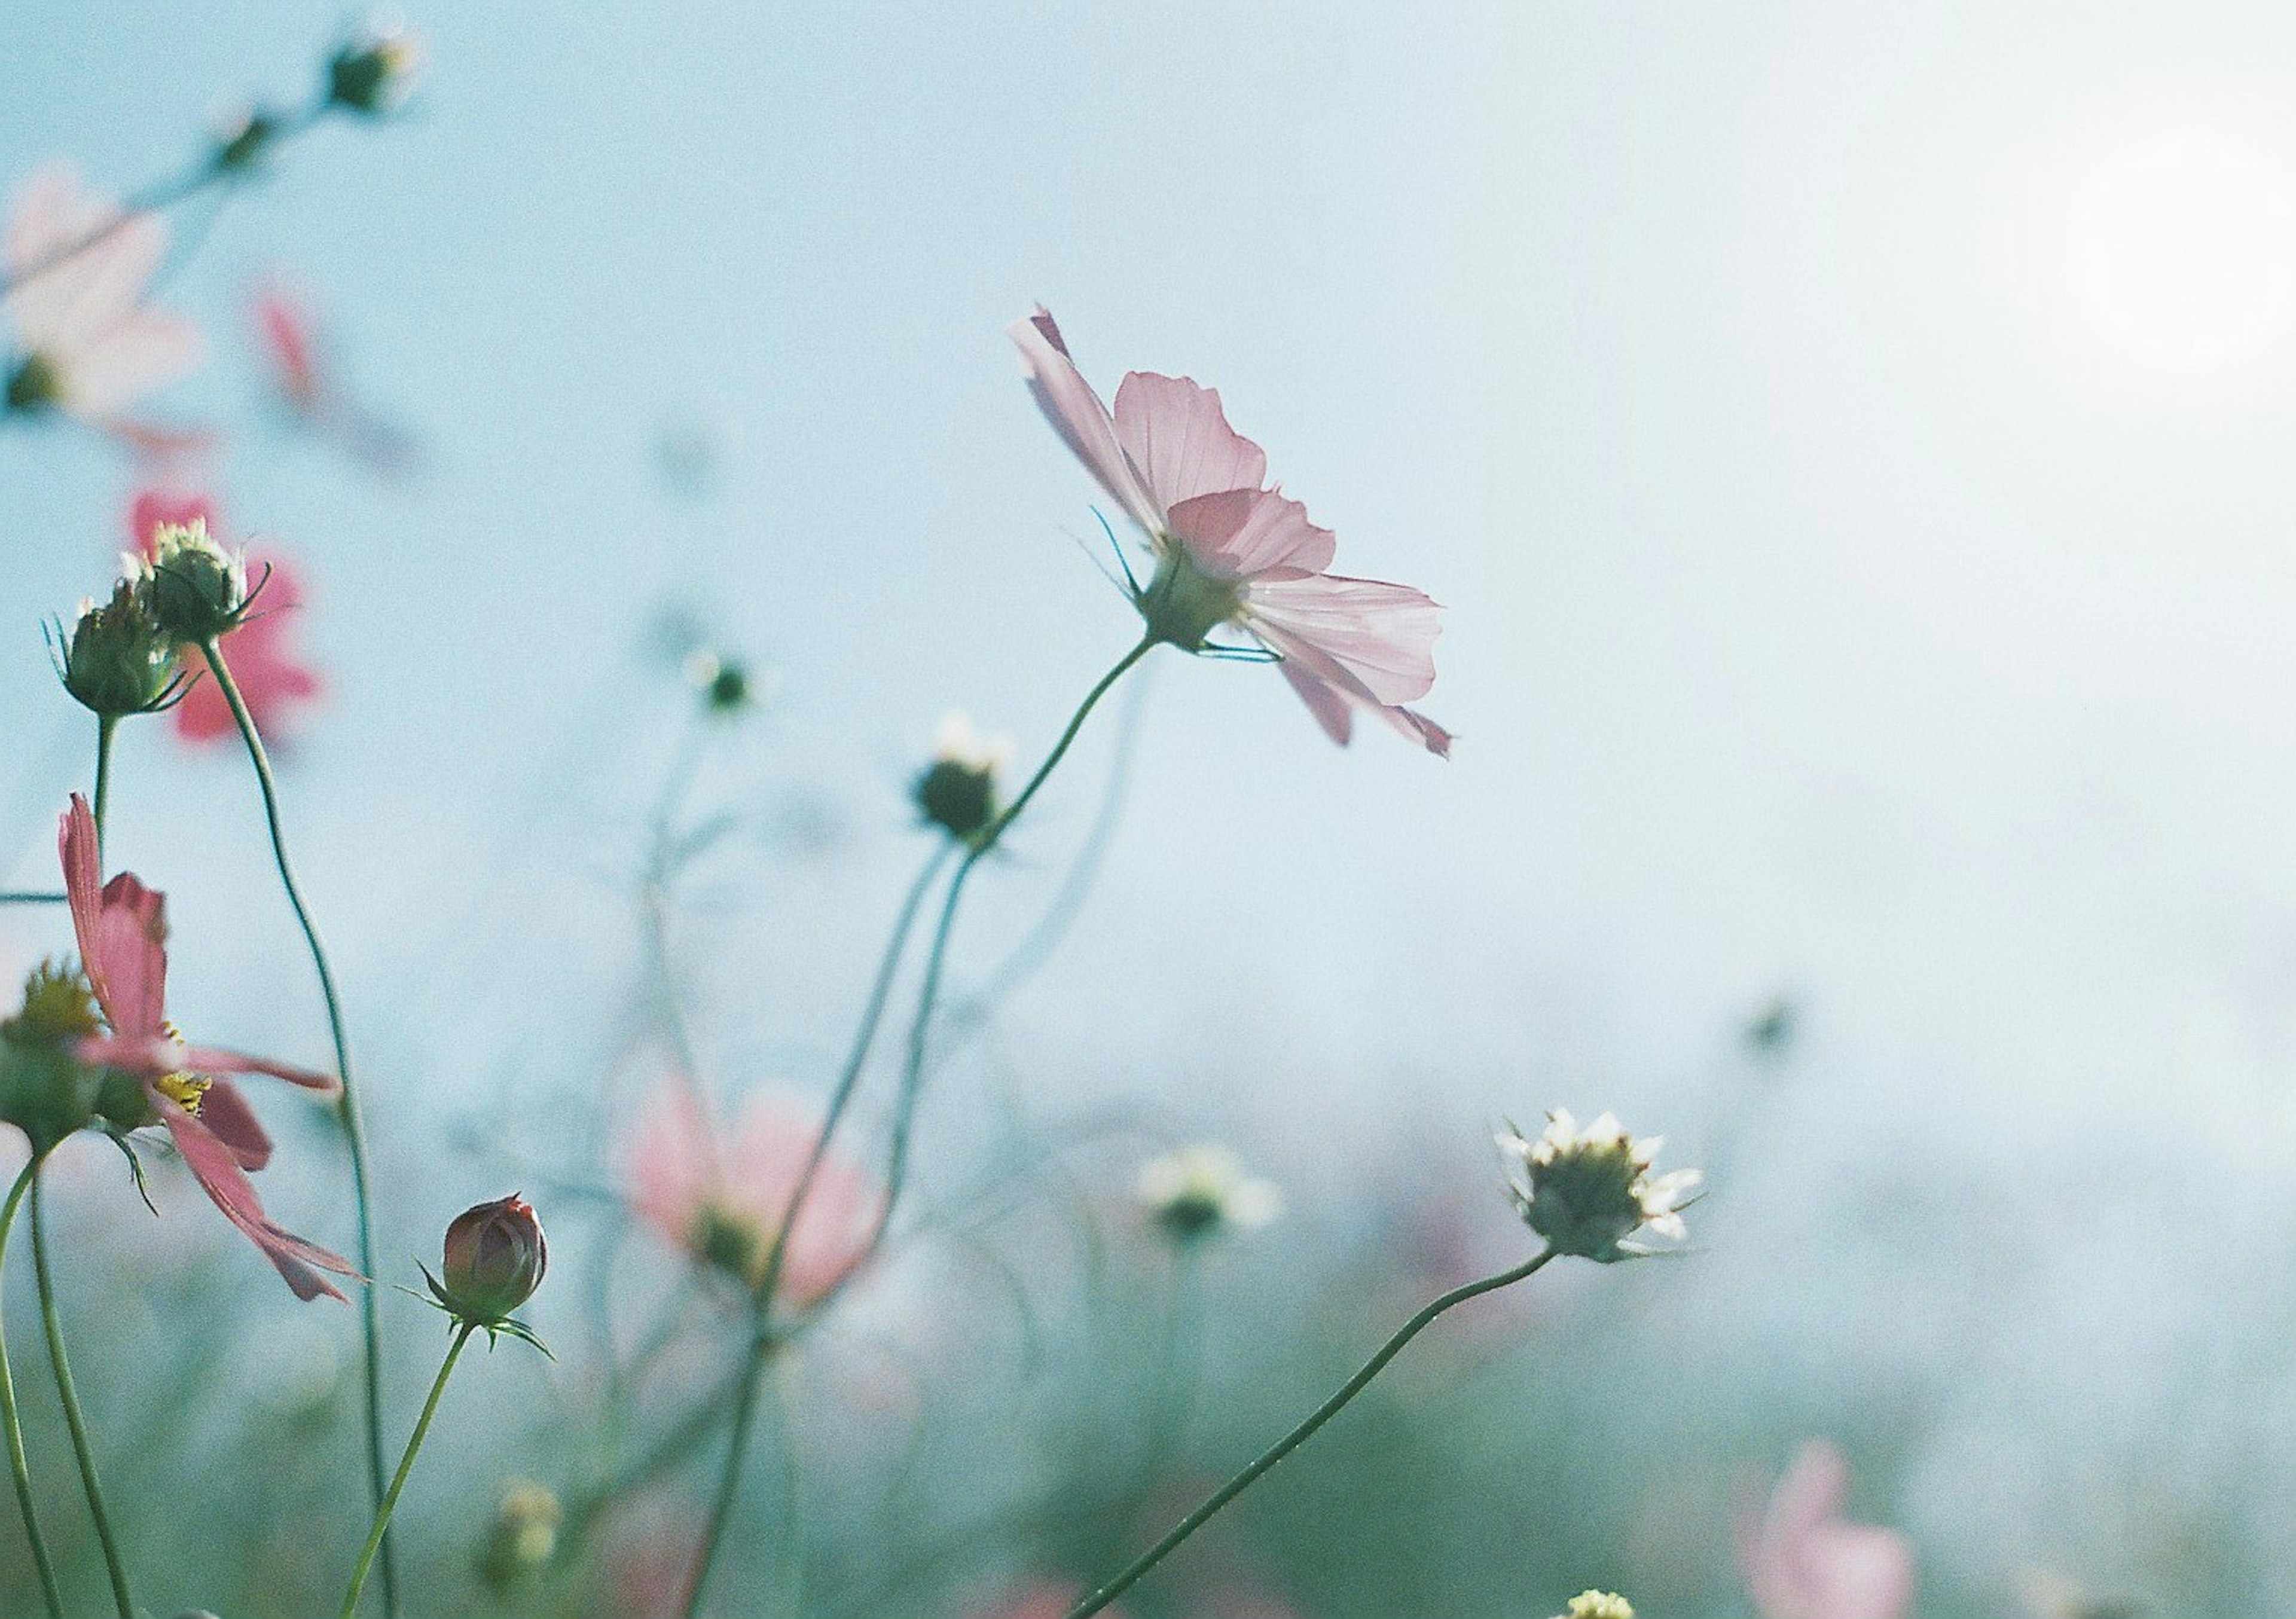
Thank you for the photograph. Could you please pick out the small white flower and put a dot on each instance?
(1195, 1190)
(957, 742)
(1586, 1191)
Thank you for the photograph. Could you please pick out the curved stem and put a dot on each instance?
(375, 1536)
(1300, 1434)
(17, 1468)
(83, 1450)
(346, 1105)
(745, 1409)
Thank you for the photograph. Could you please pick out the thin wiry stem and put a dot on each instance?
(376, 1536)
(83, 1450)
(346, 1105)
(762, 1343)
(17, 1468)
(1300, 1436)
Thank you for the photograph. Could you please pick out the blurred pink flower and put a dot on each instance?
(1040, 1599)
(288, 335)
(721, 1200)
(87, 343)
(122, 929)
(1803, 1561)
(265, 660)
(1231, 550)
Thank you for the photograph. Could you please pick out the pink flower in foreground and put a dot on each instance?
(87, 343)
(722, 1199)
(1803, 1561)
(266, 658)
(122, 929)
(1230, 550)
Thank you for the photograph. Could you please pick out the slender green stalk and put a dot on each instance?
(347, 1104)
(745, 1409)
(17, 1468)
(1300, 1434)
(105, 725)
(31, 897)
(376, 1535)
(83, 1450)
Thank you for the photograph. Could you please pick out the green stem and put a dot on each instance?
(1300, 1434)
(347, 1106)
(745, 1409)
(376, 1535)
(83, 1450)
(17, 1468)
(31, 897)
(105, 725)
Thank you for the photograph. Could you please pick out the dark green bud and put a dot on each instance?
(33, 386)
(117, 661)
(373, 74)
(196, 589)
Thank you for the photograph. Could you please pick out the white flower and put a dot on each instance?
(1588, 1190)
(957, 742)
(1195, 1190)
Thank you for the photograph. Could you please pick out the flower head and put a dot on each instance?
(116, 660)
(1598, 1605)
(122, 929)
(86, 342)
(524, 1535)
(1232, 552)
(1200, 1191)
(958, 792)
(267, 662)
(720, 1195)
(494, 1260)
(1803, 1561)
(197, 585)
(373, 72)
(1588, 1191)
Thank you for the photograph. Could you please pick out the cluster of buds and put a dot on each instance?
(1588, 1191)
(1598, 1605)
(1199, 1191)
(494, 1260)
(117, 659)
(958, 792)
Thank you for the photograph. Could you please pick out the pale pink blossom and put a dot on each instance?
(720, 1194)
(122, 929)
(274, 678)
(1803, 1560)
(87, 342)
(1232, 551)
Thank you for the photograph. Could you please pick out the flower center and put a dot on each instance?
(1182, 602)
(729, 1240)
(184, 1089)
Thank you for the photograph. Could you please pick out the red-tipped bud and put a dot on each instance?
(494, 1262)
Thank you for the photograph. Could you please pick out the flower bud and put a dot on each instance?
(494, 1260)
(958, 792)
(524, 1535)
(1198, 1191)
(1598, 1605)
(1588, 1191)
(724, 684)
(116, 660)
(197, 589)
(243, 141)
(33, 387)
(373, 73)
(46, 1090)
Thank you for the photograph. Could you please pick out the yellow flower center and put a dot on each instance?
(184, 1089)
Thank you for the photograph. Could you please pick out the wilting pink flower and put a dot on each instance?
(722, 1198)
(310, 391)
(86, 342)
(1231, 550)
(266, 658)
(1803, 1561)
(122, 929)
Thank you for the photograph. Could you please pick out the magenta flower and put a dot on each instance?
(87, 343)
(722, 1201)
(265, 658)
(1803, 1561)
(122, 929)
(1231, 550)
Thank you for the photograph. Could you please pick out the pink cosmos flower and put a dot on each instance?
(122, 929)
(288, 335)
(721, 1200)
(265, 660)
(1803, 1561)
(87, 343)
(1231, 550)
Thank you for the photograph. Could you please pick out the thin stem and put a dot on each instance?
(347, 1106)
(17, 1468)
(83, 1450)
(31, 896)
(762, 1342)
(1300, 1434)
(376, 1535)
(105, 725)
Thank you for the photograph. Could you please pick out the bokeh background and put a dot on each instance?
(1850, 443)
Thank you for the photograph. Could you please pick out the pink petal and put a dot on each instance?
(832, 1230)
(1381, 635)
(231, 1121)
(673, 1164)
(1802, 1562)
(273, 678)
(284, 325)
(142, 350)
(216, 1168)
(154, 509)
(1319, 680)
(1080, 419)
(1238, 534)
(1177, 435)
(1332, 710)
(122, 931)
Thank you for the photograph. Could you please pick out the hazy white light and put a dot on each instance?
(2183, 249)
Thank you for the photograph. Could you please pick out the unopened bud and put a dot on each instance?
(116, 660)
(196, 588)
(33, 386)
(524, 1535)
(958, 792)
(494, 1260)
(373, 73)
(1586, 1191)
(243, 141)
